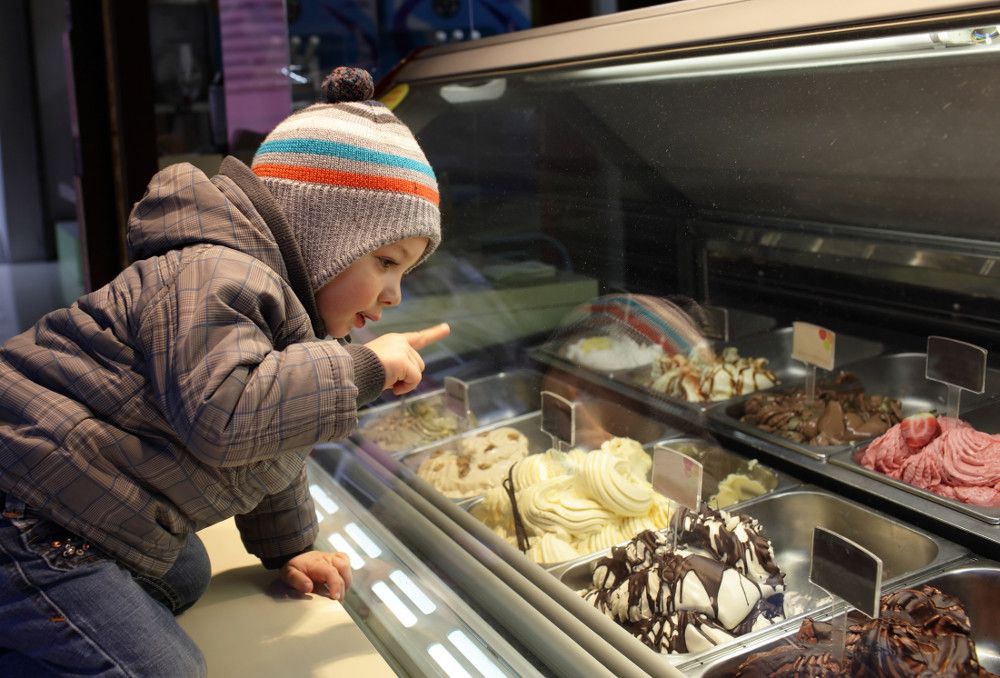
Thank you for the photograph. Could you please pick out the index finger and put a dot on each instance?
(428, 335)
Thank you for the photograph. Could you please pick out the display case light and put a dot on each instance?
(338, 542)
(320, 496)
(362, 539)
(394, 604)
(475, 656)
(446, 660)
(868, 50)
(412, 591)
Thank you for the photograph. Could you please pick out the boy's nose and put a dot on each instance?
(391, 296)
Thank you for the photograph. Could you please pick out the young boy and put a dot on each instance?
(192, 387)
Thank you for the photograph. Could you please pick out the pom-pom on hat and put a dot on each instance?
(349, 177)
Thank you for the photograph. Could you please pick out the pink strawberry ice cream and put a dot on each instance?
(959, 463)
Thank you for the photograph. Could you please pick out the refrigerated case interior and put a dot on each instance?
(841, 182)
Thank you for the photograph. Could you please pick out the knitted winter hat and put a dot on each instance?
(349, 177)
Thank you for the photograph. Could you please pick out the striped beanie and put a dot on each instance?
(349, 177)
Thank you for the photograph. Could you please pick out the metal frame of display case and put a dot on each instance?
(685, 29)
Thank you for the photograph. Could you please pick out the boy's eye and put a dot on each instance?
(386, 262)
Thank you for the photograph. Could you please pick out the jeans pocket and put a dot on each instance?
(58, 547)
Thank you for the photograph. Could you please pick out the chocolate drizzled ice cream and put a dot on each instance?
(921, 632)
(838, 414)
(720, 583)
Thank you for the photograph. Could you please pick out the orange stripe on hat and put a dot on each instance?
(338, 178)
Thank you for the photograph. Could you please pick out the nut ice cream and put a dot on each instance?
(704, 376)
(411, 425)
(954, 461)
(834, 417)
(480, 463)
(572, 504)
(720, 583)
(920, 632)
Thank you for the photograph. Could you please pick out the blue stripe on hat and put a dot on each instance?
(339, 150)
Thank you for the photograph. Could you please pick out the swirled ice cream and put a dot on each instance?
(479, 463)
(951, 459)
(920, 632)
(704, 376)
(721, 582)
(571, 504)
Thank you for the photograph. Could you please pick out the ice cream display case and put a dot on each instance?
(666, 197)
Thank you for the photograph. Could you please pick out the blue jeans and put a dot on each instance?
(67, 609)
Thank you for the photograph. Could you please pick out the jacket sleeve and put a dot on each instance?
(231, 397)
(283, 525)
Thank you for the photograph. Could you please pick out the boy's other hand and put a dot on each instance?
(306, 570)
(398, 352)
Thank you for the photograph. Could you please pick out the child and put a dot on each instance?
(192, 387)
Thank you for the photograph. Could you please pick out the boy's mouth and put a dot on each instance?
(361, 318)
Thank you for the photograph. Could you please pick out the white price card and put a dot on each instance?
(846, 569)
(677, 476)
(813, 344)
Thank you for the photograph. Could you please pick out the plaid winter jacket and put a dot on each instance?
(189, 389)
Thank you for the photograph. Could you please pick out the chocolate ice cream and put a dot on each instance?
(921, 632)
(838, 414)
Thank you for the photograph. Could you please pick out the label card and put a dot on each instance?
(956, 363)
(456, 397)
(677, 476)
(846, 570)
(558, 418)
(813, 344)
(717, 323)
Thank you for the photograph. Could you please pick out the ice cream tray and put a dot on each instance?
(976, 584)
(775, 346)
(984, 418)
(491, 399)
(788, 520)
(898, 376)
(597, 421)
(718, 462)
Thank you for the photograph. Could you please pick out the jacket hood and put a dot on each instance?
(183, 207)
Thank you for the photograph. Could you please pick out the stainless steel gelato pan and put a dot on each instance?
(723, 466)
(985, 418)
(423, 420)
(776, 348)
(899, 376)
(597, 421)
(788, 520)
(977, 588)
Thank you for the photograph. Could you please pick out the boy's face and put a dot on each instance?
(371, 283)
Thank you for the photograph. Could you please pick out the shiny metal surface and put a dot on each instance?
(597, 421)
(788, 519)
(491, 399)
(898, 376)
(978, 588)
(984, 418)
(776, 346)
(719, 462)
